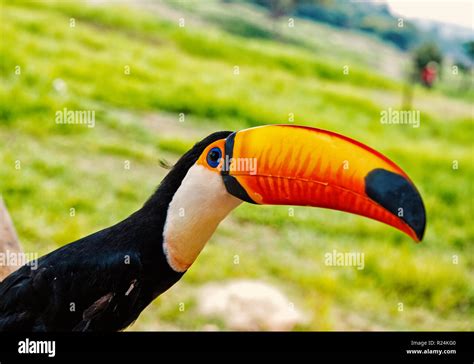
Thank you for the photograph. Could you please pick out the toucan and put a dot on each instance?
(103, 282)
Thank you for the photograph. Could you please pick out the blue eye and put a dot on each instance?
(213, 157)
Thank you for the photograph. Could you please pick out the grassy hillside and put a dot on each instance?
(191, 71)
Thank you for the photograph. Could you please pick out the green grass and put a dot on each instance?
(190, 70)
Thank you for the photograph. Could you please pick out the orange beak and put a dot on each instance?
(303, 166)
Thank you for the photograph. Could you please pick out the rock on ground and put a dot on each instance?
(249, 305)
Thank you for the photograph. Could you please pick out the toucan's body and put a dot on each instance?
(103, 282)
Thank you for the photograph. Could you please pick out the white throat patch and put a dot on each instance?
(197, 208)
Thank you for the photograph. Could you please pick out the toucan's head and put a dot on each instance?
(284, 165)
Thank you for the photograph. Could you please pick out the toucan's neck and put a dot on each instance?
(180, 217)
(143, 231)
(196, 209)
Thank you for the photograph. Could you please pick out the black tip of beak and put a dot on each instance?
(398, 195)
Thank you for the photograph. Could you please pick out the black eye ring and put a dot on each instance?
(214, 157)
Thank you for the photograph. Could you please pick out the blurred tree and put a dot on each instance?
(279, 8)
(462, 67)
(403, 37)
(466, 70)
(427, 61)
(326, 13)
(370, 17)
(469, 50)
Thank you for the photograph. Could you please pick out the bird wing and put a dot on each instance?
(83, 286)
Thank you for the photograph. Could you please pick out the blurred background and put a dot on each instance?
(161, 75)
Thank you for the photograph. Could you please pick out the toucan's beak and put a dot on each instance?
(294, 165)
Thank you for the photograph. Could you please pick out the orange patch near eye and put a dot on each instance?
(202, 161)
